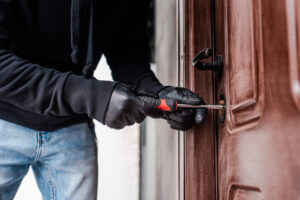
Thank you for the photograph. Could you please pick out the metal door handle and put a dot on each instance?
(217, 65)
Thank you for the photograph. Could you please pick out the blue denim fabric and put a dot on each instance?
(64, 161)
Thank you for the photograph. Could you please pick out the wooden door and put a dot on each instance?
(253, 155)
(259, 143)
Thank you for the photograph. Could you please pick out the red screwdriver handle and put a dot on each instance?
(169, 105)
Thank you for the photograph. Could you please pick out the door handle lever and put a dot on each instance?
(216, 65)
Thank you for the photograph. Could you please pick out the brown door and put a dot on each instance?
(256, 150)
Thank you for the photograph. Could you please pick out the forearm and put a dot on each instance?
(31, 86)
(45, 91)
(136, 74)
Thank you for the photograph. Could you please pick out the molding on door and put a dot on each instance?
(244, 65)
(293, 27)
(239, 191)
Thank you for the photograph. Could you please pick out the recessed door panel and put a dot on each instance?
(244, 192)
(245, 64)
(259, 40)
(293, 22)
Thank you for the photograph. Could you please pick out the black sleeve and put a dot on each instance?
(43, 90)
(127, 52)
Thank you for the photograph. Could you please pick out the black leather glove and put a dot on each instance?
(183, 119)
(129, 105)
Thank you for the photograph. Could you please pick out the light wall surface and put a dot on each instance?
(160, 150)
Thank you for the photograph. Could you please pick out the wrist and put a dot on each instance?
(150, 82)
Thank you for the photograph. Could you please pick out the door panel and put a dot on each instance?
(259, 141)
(237, 192)
(244, 73)
(293, 24)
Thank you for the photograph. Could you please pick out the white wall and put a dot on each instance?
(118, 156)
(160, 152)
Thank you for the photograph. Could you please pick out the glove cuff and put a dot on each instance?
(88, 96)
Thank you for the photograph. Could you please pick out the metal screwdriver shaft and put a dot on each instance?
(214, 107)
(172, 105)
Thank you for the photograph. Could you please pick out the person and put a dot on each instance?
(48, 96)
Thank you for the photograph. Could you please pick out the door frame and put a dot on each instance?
(200, 141)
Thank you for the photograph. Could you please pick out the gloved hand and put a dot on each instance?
(183, 119)
(129, 105)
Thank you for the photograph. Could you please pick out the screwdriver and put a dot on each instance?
(171, 105)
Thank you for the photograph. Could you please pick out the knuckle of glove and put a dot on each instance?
(182, 116)
(181, 120)
(180, 126)
(149, 107)
(182, 95)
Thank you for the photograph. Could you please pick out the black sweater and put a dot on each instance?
(41, 86)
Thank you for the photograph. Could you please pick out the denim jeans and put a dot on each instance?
(64, 162)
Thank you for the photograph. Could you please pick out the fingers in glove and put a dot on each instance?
(200, 115)
(182, 95)
(182, 116)
(148, 106)
(181, 120)
(179, 125)
(123, 109)
(120, 120)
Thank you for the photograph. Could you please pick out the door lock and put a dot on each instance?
(222, 112)
(217, 65)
